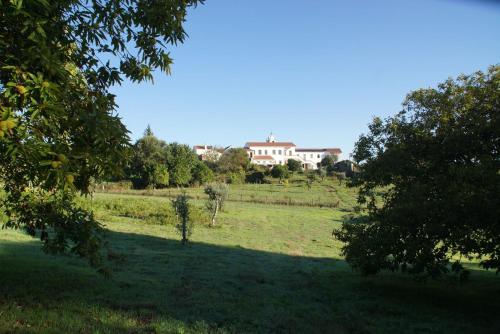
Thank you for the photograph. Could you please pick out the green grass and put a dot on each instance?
(263, 269)
(322, 194)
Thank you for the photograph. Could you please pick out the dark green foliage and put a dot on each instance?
(233, 160)
(280, 172)
(181, 160)
(62, 225)
(294, 165)
(58, 60)
(185, 225)
(328, 163)
(439, 162)
(255, 176)
(147, 168)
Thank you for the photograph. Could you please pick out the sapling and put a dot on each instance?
(217, 194)
(181, 208)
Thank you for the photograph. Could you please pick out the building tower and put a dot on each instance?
(271, 138)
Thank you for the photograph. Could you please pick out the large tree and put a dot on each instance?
(233, 160)
(438, 164)
(59, 128)
(148, 167)
(181, 160)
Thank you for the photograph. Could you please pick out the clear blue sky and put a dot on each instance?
(313, 72)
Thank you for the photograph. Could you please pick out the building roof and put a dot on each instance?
(329, 150)
(266, 144)
(263, 157)
(208, 147)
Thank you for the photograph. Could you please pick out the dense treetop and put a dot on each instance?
(438, 162)
(59, 129)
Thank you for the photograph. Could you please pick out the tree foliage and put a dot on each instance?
(147, 167)
(280, 172)
(294, 165)
(202, 174)
(59, 128)
(181, 160)
(438, 161)
(217, 195)
(185, 225)
(233, 160)
(328, 163)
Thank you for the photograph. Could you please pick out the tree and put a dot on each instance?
(311, 178)
(322, 173)
(60, 130)
(147, 167)
(181, 160)
(202, 173)
(158, 176)
(280, 172)
(438, 162)
(185, 225)
(233, 160)
(294, 165)
(217, 194)
(328, 162)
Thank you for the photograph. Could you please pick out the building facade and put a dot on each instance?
(208, 152)
(272, 152)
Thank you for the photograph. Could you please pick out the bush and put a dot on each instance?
(294, 165)
(280, 172)
(236, 178)
(255, 177)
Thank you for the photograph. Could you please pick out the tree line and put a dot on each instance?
(155, 163)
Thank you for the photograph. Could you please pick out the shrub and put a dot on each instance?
(255, 177)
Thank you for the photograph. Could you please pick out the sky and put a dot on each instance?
(314, 72)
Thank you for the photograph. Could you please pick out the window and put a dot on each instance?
(311, 156)
(279, 152)
(304, 155)
(260, 152)
(274, 152)
(318, 156)
(265, 152)
(289, 152)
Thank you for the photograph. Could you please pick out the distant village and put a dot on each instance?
(272, 152)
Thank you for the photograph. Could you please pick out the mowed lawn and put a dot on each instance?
(263, 269)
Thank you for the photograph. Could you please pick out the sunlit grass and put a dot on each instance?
(262, 269)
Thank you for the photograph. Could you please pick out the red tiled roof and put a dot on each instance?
(258, 143)
(329, 150)
(263, 157)
(209, 147)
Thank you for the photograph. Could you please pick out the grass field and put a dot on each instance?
(265, 268)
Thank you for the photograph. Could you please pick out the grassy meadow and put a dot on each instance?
(269, 266)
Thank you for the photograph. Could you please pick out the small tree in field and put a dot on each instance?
(217, 194)
(280, 172)
(181, 208)
(311, 177)
(294, 165)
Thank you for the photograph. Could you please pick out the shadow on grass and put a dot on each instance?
(162, 286)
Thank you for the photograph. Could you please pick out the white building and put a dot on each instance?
(208, 152)
(272, 152)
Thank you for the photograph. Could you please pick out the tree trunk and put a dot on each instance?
(184, 232)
